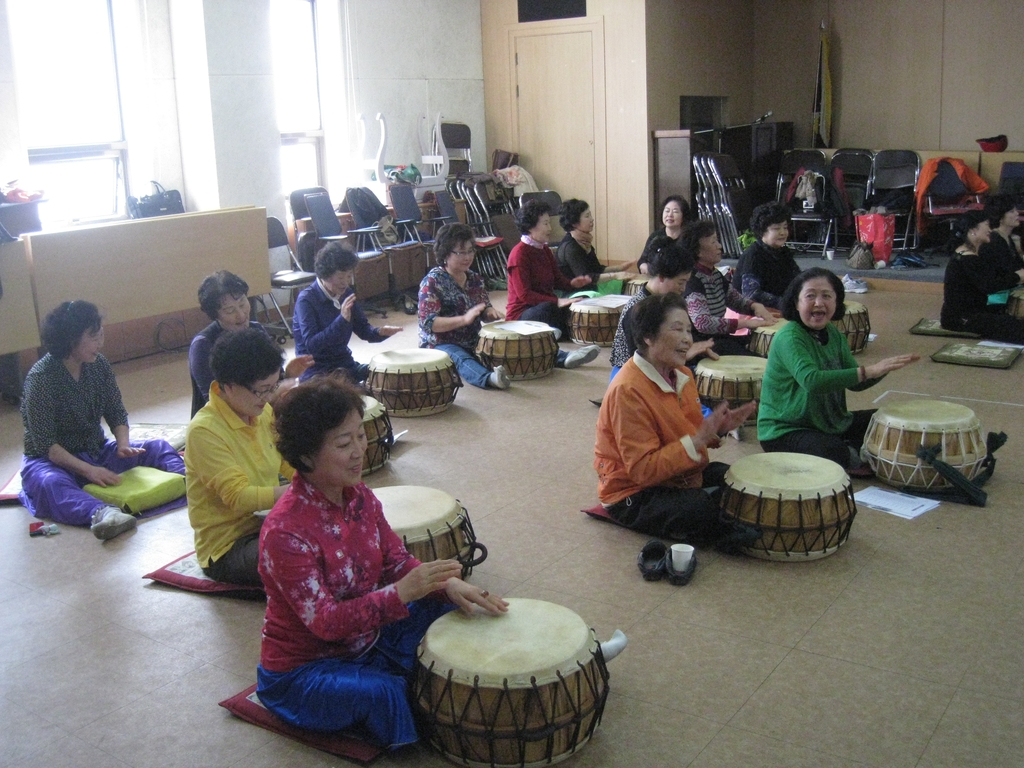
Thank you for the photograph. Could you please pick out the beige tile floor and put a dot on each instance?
(903, 649)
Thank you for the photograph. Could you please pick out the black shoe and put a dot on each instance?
(741, 537)
(651, 560)
(680, 578)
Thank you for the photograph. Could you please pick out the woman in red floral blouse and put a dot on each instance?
(346, 603)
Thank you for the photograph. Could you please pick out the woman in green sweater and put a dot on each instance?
(810, 367)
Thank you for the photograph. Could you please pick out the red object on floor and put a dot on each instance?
(880, 230)
(600, 513)
(248, 707)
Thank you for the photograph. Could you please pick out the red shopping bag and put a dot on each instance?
(878, 229)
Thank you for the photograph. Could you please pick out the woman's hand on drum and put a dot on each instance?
(569, 302)
(298, 366)
(492, 315)
(473, 313)
(699, 348)
(389, 330)
(581, 281)
(467, 595)
(760, 310)
(882, 367)
(426, 578)
(753, 322)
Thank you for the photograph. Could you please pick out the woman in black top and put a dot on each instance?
(675, 212)
(1003, 246)
(576, 254)
(969, 280)
(767, 267)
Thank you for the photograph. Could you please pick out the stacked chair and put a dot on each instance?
(490, 212)
(723, 198)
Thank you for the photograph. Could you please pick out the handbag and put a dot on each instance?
(163, 202)
(861, 256)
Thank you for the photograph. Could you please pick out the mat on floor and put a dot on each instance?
(247, 706)
(172, 433)
(600, 513)
(959, 353)
(185, 573)
(9, 493)
(927, 327)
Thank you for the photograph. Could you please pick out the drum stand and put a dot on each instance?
(971, 489)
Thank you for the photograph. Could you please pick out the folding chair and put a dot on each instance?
(896, 170)
(408, 216)
(493, 262)
(291, 280)
(794, 163)
(856, 167)
(947, 197)
(1011, 181)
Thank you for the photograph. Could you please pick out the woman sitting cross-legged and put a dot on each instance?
(452, 302)
(670, 268)
(709, 293)
(768, 266)
(347, 605)
(972, 275)
(576, 253)
(533, 276)
(66, 394)
(810, 367)
(326, 315)
(224, 297)
(651, 454)
(232, 465)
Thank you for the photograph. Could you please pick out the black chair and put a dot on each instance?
(291, 280)
(893, 183)
(798, 162)
(322, 216)
(856, 167)
(1011, 181)
(408, 216)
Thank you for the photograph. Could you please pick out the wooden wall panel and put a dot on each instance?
(18, 327)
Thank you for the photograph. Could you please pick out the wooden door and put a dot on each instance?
(558, 111)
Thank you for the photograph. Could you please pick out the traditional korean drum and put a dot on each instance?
(379, 435)
(432, 524)
(524, 688)
(803, 504)
(855, 326)
(594, 321)
(632, 287)
(413, 382)
(897, 430)
(1015, 304)
(735, 379)
(761, 338)
(526, 348)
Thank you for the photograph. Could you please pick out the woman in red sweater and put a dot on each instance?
(346, 603)
(533, 276)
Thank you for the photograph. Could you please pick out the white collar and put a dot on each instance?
(327, 293)
(651, 373)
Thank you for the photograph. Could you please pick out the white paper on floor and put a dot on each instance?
(895, 503)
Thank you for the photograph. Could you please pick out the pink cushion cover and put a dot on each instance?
(185, 573)
(600, 513)
(248, 707)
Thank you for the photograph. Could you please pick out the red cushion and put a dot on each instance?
(247, 706)
(185, 573)
(487, 242)
(600, 513)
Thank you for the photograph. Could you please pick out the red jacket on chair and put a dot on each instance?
(974, 183)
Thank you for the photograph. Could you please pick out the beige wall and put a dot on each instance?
(624, 221)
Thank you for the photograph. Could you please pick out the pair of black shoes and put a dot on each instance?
(655, 563)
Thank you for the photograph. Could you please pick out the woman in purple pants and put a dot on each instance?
(66, 394)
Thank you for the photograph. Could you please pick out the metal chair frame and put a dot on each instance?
(897, 169)
(808, 160)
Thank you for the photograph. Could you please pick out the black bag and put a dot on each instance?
(161, 203)
(364, 206)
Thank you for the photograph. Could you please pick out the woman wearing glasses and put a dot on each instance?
(232, 468)
(453, 302)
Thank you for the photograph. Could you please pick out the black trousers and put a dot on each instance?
(684, 514)
(833, 447)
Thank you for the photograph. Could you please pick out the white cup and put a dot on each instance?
(830, 254)
(681, 556)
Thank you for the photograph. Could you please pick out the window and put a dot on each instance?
(69, 106)
(293, 25)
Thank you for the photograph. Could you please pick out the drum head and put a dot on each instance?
(535, 639)
(854, 307)
(372, 408)
(735, 367)
(612, 302)
(787, 476)
(769, 330)
(417, 512)
(510, 329)
(927, 415)
(409, 360)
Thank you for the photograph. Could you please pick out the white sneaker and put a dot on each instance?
(108, 522)
(499, 378)
(853, 285)
(583, 355)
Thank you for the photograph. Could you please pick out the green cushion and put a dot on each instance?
(141, 488)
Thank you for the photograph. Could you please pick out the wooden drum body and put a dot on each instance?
(414, 382)
(897, 430)
(526, 348)
(379, 435)
(432, 524)
(632, 287)
(524, 688)
(735, 379)
(803, 504)
(1015, 304)
(594, 321)
(761, 338)
(855, 326)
